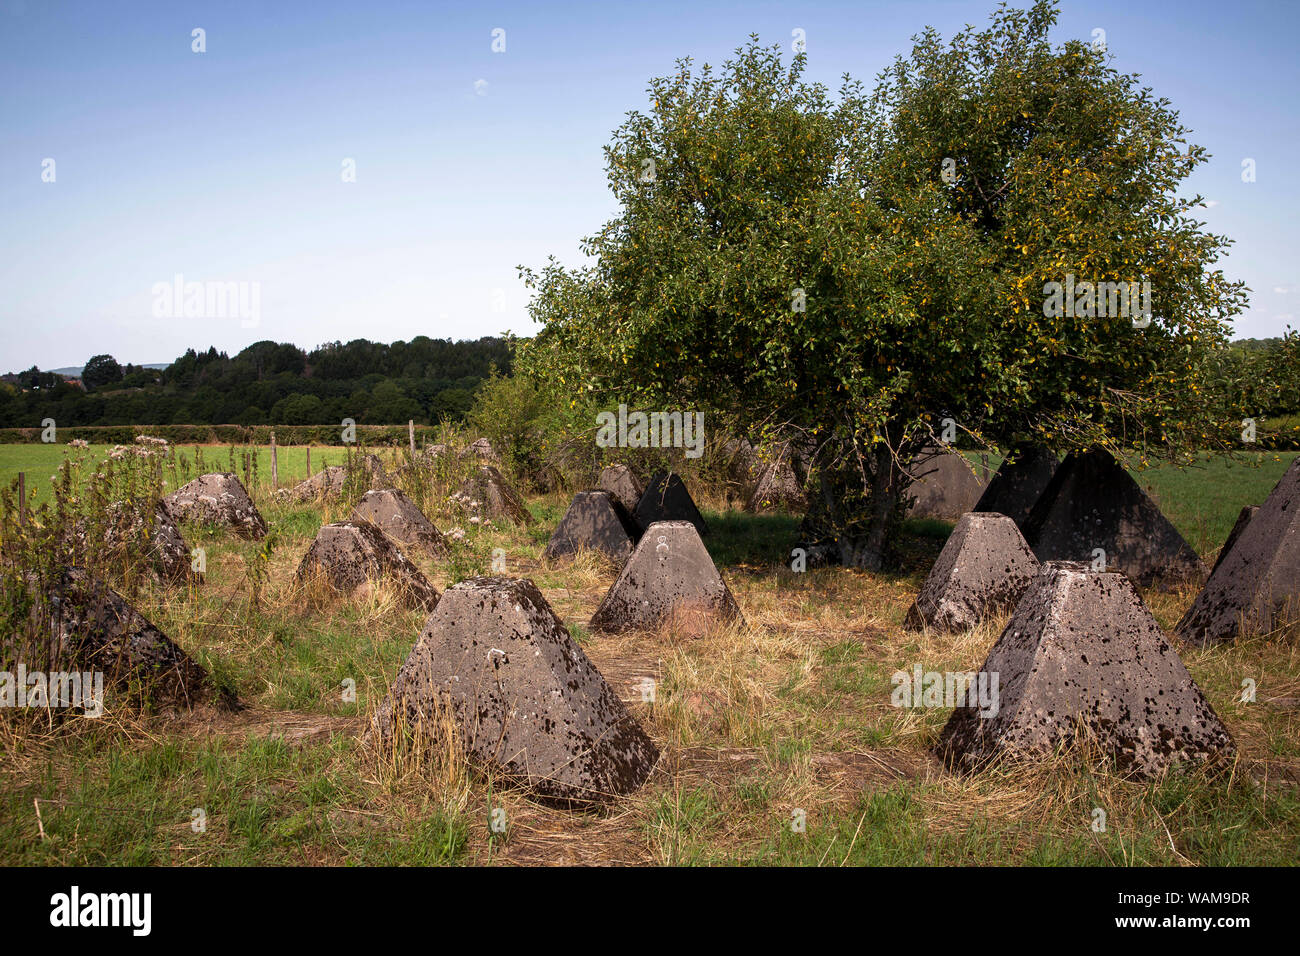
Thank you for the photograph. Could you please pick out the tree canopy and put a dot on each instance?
(853, 270)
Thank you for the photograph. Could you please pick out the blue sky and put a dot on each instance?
(226, 165)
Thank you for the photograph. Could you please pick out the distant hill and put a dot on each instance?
(268, 383)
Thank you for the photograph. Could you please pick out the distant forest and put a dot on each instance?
(427, 380)
(268, 383)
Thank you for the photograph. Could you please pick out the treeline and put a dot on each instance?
(268, 383)
(1257, 377)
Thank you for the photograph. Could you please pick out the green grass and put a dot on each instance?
(806, 682)
(40, 461)
(1203, 500)
(262, 800)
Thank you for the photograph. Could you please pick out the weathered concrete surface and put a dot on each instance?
(326, 483)
(742, 462)
(526, 700)
(666, 499)
(128, 535)
(778, 488)
(482, 449)
(95, 629)
(167, 547)
(596, 521)
(355, 555)
(331, 481)
(620, 481)
(217, 499)
(398, 517)
(944, 486)
(1092, 502)
(489, 496)
(984, 567)
(1255, 587)
(669, 580)
(1244, 517)
(1017, 485)
(1082, 658)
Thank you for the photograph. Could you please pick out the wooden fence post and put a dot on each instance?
(309, 461)
(410, 427)
(275, 465)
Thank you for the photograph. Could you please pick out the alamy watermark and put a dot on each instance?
(653, 430)
(55, 689)
(978, 691)
(179, 299)
(1129, 300)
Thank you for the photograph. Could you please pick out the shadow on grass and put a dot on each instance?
(738, 538)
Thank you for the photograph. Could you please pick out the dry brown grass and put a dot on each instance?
(788, 712)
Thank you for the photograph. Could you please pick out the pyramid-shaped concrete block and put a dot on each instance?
(595, 521)
(1255, 588)
(217, 499)
(620, 481)
(399, 518)
(778, 488)
(666, 499)
(353, 556)
(944, 486)
(1082, 659)
(526, 700)
(167, 548)
(1092, 502)
(97, 629)
(984, 567)
(669, 580)
(372, 465)
(332, 481)
(1244, 517)
(128, 532)
(1018, 484)
(325, 484)
(740, 461)
(480, 448)
(488, 496)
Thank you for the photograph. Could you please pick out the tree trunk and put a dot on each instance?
(872, 551)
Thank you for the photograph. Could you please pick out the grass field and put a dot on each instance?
(1202, 500)
(786, 718)
(41, 461)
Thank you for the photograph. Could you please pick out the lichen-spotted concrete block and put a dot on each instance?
(96, 629)
(670, 579)
(1092, 503)
(1017, 484)
(527, 702)
(984, 566)
(355, 555)
(398, 517)
(1082, 657)
(1255, 586)
(596, 521)
(488, 495)
(666, 499)
(219, 499)
(945, 486)
(620, 481)
(778, 487)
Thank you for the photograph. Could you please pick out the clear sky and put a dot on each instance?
(226, 165)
